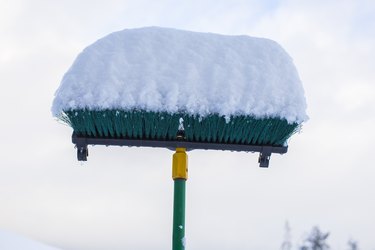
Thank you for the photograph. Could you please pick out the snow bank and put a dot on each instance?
(11, 241)
(161, 69)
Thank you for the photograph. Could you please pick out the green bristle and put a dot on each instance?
(141, 124)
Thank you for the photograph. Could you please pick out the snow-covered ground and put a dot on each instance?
(12, 241)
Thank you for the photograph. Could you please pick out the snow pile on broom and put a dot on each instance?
(159, 75)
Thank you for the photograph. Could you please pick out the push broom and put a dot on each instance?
(182, 90)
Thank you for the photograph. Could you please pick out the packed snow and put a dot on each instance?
(12, 241)
(162, 69)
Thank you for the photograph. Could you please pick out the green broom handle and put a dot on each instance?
(179, 175)
(178, 241)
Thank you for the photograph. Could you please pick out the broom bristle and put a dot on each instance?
(140, 124)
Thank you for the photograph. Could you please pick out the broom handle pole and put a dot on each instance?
(178, 241)
(179, 175)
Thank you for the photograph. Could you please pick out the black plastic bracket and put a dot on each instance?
(265, 151)
(82, 152)
(264, 158)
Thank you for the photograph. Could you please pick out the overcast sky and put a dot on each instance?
(122, 197)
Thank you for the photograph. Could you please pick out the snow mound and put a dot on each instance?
(11, 241)
(162, 69)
